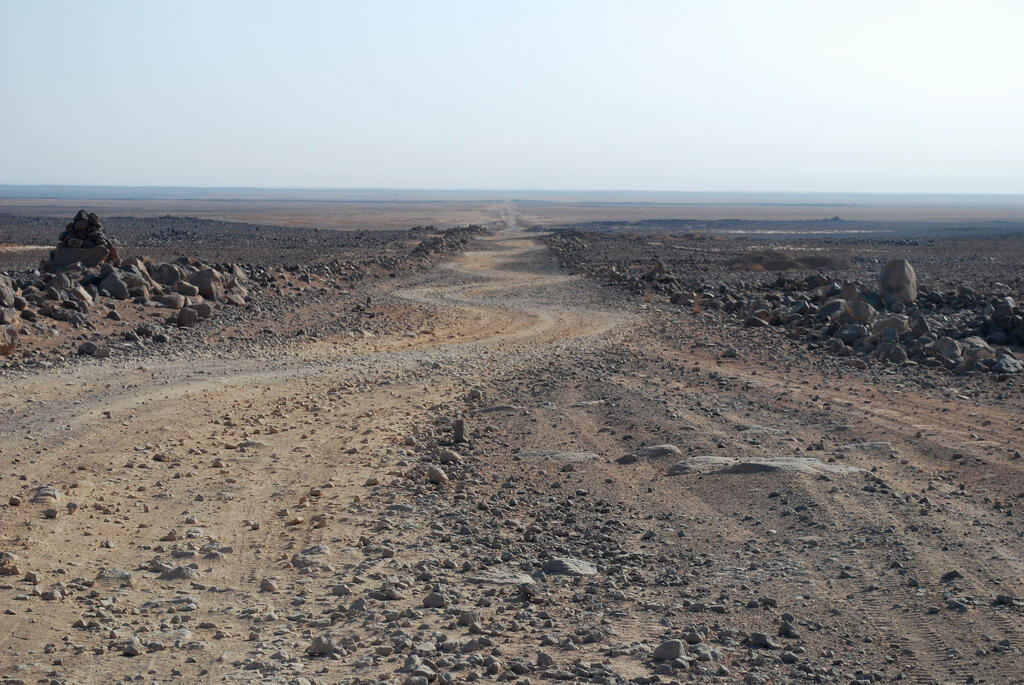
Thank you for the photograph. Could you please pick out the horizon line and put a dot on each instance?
(78, 186)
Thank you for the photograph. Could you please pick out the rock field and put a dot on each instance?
(84, 299)
(825, 300)
(459, 456)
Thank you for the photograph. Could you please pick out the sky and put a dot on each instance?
(772, 95)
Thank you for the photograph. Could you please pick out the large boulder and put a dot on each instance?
(860, 311)
(6, 292)
(167, 274)
(8, 339)
(63, 257)
(113, 284)
(894, 322)
(898, 282)
(235, 297)
(186, 289)
(188, 317)
(1007, 364)
(946, 347)
(138, 268)
(203, 309)
(977, 347)
(831, 309)
(210, 284)
(173, 301)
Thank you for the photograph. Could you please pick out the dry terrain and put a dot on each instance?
(382, 208)
(511, 467)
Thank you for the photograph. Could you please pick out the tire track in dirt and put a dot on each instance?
(180, 401)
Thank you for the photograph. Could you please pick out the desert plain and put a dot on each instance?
(432, 439)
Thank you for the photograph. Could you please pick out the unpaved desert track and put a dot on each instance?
(95, 432)
(259, 504)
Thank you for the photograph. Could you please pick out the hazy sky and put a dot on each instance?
(718, 95)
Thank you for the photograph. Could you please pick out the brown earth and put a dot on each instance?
(376, 209)
(908, 569)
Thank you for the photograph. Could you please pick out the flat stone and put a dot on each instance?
(559, 456)
(568, 566)
(321, 646)
(761, 430)
(668, 650)
(500, 578)
(865, 446)
(115, 575)
(46, 493)
(702, 464)
(1007, 364)
(649, 452)
(180, 573)
(65, 256)
(762, 640)
(730, 465)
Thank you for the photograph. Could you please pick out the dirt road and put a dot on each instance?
(308, 518)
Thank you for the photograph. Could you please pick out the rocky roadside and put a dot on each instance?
(86, 293)
(893, 321)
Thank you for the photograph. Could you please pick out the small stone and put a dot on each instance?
(435, 600)
(762, 640)
(950, 576)
(787, 630)
(180, 573)
(449, 456)
(134, 648)
(668, 650)
(187, 317)
(436, 475)
(321, 646)
(46, 493)
(268, 585)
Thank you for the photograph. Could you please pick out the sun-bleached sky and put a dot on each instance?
(895, 96)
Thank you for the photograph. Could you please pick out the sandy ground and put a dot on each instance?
(546, 209)
(217, 515)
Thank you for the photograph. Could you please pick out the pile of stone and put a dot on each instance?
(79, 285)
(8, 317)
(896, 324)
(451, 240)
(82, 242)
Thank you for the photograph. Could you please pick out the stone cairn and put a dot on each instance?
(82, 241)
